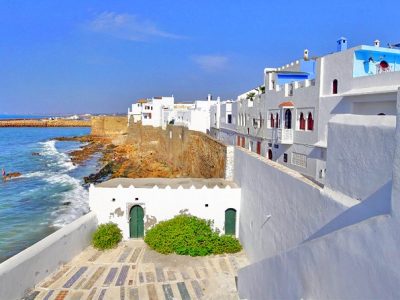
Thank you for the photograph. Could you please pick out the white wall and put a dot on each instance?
(357, 262)
(327, 245)
(279, 207)
(360, 154)
(199, 120)
(163, 204)
(21, 272)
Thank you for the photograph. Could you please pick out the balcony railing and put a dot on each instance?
(285, 136)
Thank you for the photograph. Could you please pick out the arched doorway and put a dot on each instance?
(230, 221)
(136, 223)
(288, 119)
(269, 154)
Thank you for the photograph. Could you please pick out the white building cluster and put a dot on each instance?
(286, 118)
(162, 111)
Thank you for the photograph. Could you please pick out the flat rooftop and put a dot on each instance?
(174, 183)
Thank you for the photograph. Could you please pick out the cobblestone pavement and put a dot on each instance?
(133, 271)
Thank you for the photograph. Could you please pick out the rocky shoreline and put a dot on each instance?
(126, 160)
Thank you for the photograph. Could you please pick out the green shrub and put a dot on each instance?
(189, 235)
(227, 244)
(106, 236)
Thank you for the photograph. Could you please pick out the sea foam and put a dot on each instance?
(74, 201)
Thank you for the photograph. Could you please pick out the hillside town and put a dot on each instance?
(303, 169)
(286, 117)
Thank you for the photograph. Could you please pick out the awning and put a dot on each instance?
(286, 104)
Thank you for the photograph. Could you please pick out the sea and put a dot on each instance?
(50, 192)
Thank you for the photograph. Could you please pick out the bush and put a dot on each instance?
(106, 236)
(227, 244)
(189, 235)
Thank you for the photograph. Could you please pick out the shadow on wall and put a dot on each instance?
(367, 104)
(379, 203)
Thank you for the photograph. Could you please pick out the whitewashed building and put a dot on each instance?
(135, 205)
(150, 111)
(135, 112)
(286, 119)
(195, 116)
(162, 111)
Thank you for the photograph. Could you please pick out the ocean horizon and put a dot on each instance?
(13, 116)
(49, 194)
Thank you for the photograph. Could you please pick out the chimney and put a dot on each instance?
(305, 56)
(341, 44)
(377, 43)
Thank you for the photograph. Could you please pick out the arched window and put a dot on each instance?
(272, 121)
(277, 120)
(288, 119)
(269, 154)
(302, 122)
(310, 122)
(335, 87)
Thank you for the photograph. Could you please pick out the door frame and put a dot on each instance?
(235, 220)
(132, 206)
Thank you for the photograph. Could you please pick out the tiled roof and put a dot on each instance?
(286, 104)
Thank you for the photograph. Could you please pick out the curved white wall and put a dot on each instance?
(21, 272)
(350, 249)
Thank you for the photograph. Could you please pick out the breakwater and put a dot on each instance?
(45, 123)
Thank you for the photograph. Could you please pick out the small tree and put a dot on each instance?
(261, 89)
(250, 96)
(106, 236)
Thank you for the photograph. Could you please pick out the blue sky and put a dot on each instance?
(100, 56)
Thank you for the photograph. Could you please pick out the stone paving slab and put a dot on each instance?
(133, 271)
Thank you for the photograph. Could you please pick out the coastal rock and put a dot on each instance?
(100, 176)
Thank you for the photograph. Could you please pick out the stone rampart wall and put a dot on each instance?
(197, 153)
(109, 125)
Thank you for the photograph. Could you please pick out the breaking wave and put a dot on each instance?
(71, 195)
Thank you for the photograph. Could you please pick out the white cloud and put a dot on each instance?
(211, 63)
(128, 27)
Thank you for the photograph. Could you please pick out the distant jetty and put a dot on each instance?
(45, 123)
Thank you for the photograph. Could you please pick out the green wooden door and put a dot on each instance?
(136, 224)
(230, 221)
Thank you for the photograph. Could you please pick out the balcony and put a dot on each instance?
(284, 136)
(370, 61)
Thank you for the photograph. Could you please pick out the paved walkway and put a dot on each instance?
(133, 271)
